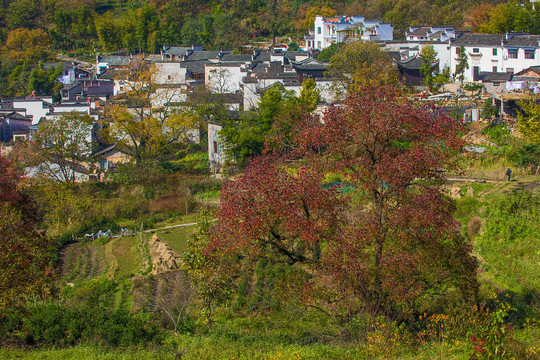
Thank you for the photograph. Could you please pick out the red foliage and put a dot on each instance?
(8, 182)
(389, 242)
(269, 210)
(23, 253)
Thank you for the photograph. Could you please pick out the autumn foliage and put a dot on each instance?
(390, 240)
(23, 253)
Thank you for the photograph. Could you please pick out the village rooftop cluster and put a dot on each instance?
(507, 65)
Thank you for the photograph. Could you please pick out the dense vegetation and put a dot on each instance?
(290, 270)
(35, 32)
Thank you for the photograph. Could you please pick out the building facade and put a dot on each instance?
(345, 29)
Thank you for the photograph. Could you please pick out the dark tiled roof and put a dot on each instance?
(259, 67)
(469, 39)
(523, 41)
(235, 58)
(414, 63)
(71, 86)
(263, 56)
(394, 55)
(421, 31)
(226, 64)
(310, 64)
(115, 60)
(525, 78)
(195, 66)
(110, 74)
(17, 116)
(491, 77)
(202, 55)
(536, 69)
(437, 35)
(275, 67)
(291, 55)
(279, 76)
(249, 80)
(232, 98)
(176, 50)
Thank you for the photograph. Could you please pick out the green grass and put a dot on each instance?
(128, 259)
(177, 238)
(510, 241)
(87, 352)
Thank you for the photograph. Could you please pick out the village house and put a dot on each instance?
(430, 33)
(506, 53)
(176, 53)
(14, 125)
(83, 89)
(345, 29)
(35, 107)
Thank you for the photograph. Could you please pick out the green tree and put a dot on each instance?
(362, 64)
(109, 33)
(326, 54)
(489, 110)
(22, 14)
(45, 81)
(462, 63)
(245, 138)
(428, 55)
(309, 96)
(529, 119)
(211, 282)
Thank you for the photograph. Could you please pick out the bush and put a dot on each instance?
(88, 316)
(498, 133)
(489, 110)
(527, 155)
(46, 323)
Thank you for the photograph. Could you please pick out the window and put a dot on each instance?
(494, 69)
(512, 53)
(318, 44)
(215, 147)
(529, 54)
(496, 83)
(319, 30)
(494, 52)
(476, 50)
(510, 70)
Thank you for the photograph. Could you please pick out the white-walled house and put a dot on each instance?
(430, 33)
(170, 73)
(224, 77)
(345, 29)
(36, 108)
(506, 53)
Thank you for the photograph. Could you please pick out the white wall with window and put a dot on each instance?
(503, 53)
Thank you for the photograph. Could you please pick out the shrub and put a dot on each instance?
(498, 133)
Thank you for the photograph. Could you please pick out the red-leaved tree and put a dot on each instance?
(390, 241)
(24, 254)
(404, 243)
(272, 211)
